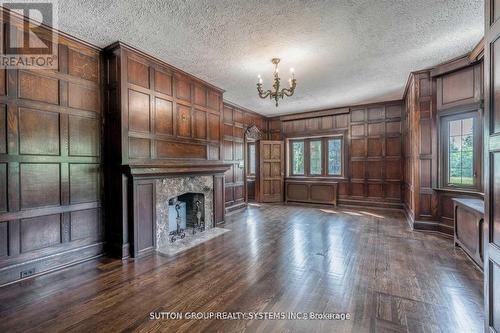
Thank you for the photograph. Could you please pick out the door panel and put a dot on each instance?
(492, 167)
(271, 171)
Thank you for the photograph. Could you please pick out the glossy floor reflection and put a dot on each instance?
(276, 258)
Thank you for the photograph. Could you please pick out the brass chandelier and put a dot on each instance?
(276, 93)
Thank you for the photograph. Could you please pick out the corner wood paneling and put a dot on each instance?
(425, 96)
(50, 162)
(420, 148)
(373, 146)
(236, 121)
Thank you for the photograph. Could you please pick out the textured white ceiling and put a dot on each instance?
(345, 52)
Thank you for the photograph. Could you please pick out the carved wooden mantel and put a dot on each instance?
(180, 168)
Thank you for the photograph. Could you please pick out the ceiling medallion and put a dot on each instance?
(276, 93)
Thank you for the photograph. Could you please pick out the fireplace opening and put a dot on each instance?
(195, 210)
(183, 201)
(186, 215)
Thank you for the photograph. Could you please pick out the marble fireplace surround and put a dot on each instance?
(171, 187)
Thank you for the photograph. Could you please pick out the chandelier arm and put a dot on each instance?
(287, 92)
(263, 94)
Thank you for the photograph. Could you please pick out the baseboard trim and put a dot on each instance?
(49, 264)
(236, 207)
(118, 251)
(370, 204)
(433, 226)
(428, 226)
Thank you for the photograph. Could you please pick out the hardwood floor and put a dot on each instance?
(275, 258)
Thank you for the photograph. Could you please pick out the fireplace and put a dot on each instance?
(194, 193)
(138, 216)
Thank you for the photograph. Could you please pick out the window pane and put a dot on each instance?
(335, 157)
(251, 158)
(315, 157)
(461, 152)
(298, 158)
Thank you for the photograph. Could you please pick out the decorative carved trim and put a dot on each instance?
(253, 132)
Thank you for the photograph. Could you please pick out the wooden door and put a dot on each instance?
(492, 166)
(271, 171)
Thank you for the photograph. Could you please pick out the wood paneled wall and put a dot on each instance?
(157, 117)
(164, 114)
(455, 85)
(376, 153)
(50, 162)
(420, 142)
(236, 121)
(373, 147)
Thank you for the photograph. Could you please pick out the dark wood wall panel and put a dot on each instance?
(162, 127)
(82, 97)
(38, 132)
(50, 136)
(3, 82)
(3, 187)
(37, 87)
(164, 117)
(138, 111)
(4, 239)
(84, 136)
(236, 121)
(460, 87)
(85, 224)
(40, 232)
(373, 145)
(3, 129)
(39, 184)
(163, 82)
(84, 182)
(83, 66)
(174, 150)
(145, 213)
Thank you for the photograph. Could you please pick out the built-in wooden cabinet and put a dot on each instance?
(468, 222)
(311, 191)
